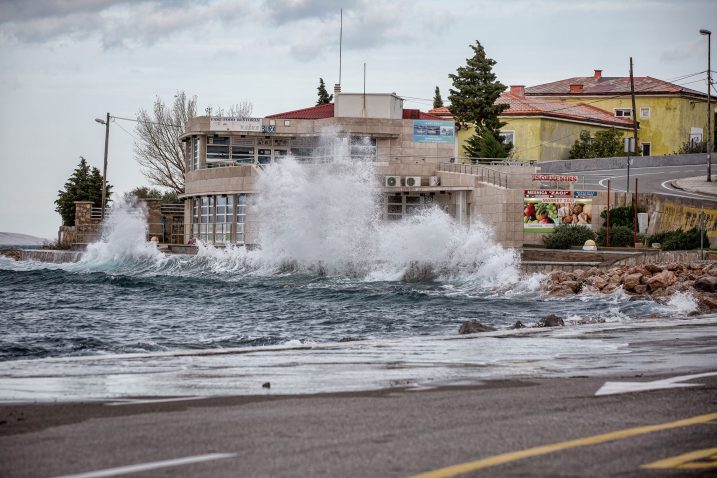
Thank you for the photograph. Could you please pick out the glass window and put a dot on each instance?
(623, 113)
(219, 140)
(644, 113)
(241, 216)
(508, 136)
(195, 153)
(243, 154)
(195, 218)
(206, 228)
(223, 211)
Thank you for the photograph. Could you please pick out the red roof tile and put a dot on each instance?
(315, 112)
(526, 106)
(327, 111)
(530, 106)
(618, 85)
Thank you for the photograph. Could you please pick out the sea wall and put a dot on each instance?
(577, 165)
(43, 255)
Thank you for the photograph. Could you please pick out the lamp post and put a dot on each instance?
(709, 110)
(104, 170)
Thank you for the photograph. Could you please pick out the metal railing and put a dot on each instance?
(487, 175)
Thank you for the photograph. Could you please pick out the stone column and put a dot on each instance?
(83, 212)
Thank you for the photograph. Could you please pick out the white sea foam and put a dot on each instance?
(124, 239)
(682, 303)
(325, 218)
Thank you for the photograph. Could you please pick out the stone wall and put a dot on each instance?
(577, 165)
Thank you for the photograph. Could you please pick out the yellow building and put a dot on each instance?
(544, 121)
(669, 115)
(542, 130)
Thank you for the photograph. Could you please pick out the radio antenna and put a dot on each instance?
(341, 38)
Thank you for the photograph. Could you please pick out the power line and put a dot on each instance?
(147, 122)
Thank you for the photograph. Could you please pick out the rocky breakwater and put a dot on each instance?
(651, 281)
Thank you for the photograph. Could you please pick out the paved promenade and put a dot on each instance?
(512, 428)
(697, 184)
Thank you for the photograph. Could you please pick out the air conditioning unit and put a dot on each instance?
(434, 181)
(413, 181)
(392, 181)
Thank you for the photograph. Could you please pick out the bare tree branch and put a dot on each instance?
(159, 151)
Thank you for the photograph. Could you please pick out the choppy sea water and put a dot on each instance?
(127, 320)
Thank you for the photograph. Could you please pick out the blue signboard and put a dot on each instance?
(427, 131)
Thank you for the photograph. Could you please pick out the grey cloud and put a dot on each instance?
(116, 23)
(684, 51)
(287, 11)
(368, 26)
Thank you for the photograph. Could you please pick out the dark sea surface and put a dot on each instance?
(327, 269)
(203, 302)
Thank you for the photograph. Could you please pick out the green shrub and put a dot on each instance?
(568, 235)
(620, 236)
(620, 216)
(679, 240)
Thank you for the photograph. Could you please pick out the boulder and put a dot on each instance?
(596, 282)
(654, 268)
(610, 287)
(640, 289)
(551, 320)
(473, 327)
(707, 302)
(661, 280)
(706, 284)
(518, 325)
(630, 281)
(560, 291)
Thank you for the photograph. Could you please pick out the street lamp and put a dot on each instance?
(709, 110)
(104, 170)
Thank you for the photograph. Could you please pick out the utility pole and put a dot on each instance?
(104, 170)
(709, 109)
(634, 110)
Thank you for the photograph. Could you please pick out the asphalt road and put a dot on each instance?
(390, 433)
(653, 179)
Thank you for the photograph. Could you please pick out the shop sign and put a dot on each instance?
(544, 210)
(426, 131)
(550, 177)
(225, 123)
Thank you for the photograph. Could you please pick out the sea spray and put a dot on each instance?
(123, 241)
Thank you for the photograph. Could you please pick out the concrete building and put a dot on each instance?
(225, 156)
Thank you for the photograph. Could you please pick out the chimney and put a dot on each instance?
(597, 74)
(576, 88)
(517, 90)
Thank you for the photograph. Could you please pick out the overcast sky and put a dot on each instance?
(66, 62)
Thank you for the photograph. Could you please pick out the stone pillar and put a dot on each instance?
(154, 218)
(83, 212)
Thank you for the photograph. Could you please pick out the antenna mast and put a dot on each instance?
(341, 38)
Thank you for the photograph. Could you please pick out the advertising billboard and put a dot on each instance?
(544, 210)
(224, 123)
(427, 131)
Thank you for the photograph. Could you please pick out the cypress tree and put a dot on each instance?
(437, 100)
(85, 184)
(473, 103)
(324, 96)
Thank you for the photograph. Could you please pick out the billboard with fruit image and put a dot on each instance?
(544, 210)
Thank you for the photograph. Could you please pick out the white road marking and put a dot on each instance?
(129, 401)
(614, 388)
(123, 470)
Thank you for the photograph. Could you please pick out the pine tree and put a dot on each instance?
(437, 100)
(85, 184)
(485, 145)
(324, 96)
(473, 102)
